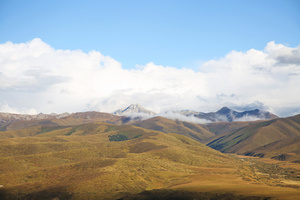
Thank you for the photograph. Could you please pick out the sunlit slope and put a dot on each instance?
(220, 128)
(83, 162)
(194, 131)
(259, 135)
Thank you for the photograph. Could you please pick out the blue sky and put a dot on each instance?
(170, 33)
(72, 56)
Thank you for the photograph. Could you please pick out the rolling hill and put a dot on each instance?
(266, 138)
(75, 162)
(194, 131)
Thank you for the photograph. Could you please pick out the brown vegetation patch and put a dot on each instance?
(281, 157)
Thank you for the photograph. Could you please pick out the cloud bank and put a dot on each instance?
(34, 77)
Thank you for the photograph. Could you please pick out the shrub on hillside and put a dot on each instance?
(118, 137)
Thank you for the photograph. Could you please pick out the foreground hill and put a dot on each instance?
(98, 160)
(266, 138)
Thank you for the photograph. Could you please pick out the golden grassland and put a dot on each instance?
(194, 131)
(80, 162)
(278, 138)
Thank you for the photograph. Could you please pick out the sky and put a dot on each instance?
(73, 56)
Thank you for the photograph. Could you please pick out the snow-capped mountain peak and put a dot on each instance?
(133, 109)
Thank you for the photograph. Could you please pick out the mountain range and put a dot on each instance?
(229, 115)
(94, 155)
(224, 114)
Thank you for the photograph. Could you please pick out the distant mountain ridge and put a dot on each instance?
(9, 121)
(223, 115)
(137, 112)
(228, 115)
(33, 117)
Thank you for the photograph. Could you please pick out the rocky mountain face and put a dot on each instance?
(228, 115)
(134, 109)
(189, 113)
(223, 115)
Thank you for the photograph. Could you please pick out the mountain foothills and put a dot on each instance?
(137, 154)
(278, 139)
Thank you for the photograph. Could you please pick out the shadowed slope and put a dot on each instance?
(286, 149)
(256, 137)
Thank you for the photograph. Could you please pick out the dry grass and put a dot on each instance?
(79, 162)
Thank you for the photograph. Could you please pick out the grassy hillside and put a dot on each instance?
(81, 161)
(267, 138)
(220, 128)
(194, 131)
(286, 149)
(106, 161)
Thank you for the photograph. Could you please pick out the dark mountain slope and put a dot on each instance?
(228, 115)
(256, 135)
(286, 149)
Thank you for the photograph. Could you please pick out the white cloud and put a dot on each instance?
(35, 76)
(180, 117)
(6, 108)
(247, 118)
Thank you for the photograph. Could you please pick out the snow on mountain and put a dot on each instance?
(134, 109)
